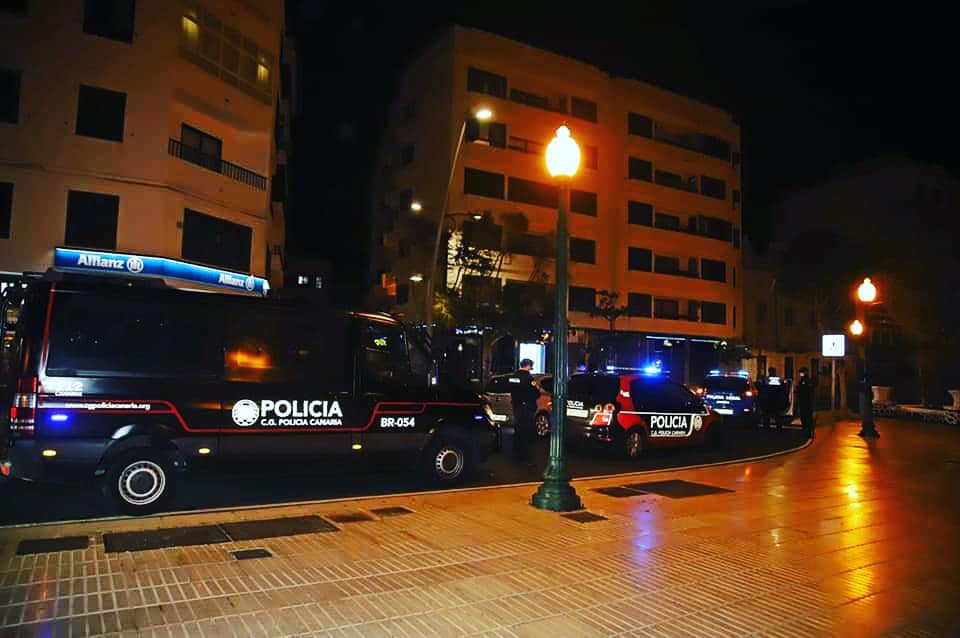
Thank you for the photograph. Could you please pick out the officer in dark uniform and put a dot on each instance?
(804, 398)
(523, 397)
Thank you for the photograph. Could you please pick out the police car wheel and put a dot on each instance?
(140, 482)
(446, 461)
(543, 424)
(633, 443)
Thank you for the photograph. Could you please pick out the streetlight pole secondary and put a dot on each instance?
(481, 115)
(555, 493)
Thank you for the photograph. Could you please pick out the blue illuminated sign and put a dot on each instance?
(119, 263)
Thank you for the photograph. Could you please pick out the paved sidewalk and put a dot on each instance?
(841, 538)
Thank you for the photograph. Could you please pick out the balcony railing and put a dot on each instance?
(217, 165)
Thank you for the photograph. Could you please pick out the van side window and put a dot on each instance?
(276, 345)
(382, 356)
(94, 334)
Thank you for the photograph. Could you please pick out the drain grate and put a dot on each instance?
(161, 538)
(247, 554)
(350, 517)
(584, 517)
(386, 512)
(618, 491)
(46, 545)
(678, 489)
(273, 527)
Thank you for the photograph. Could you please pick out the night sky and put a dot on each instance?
(815, 88)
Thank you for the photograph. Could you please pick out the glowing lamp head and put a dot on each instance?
(866, 291)
(856, 328)
(416, 278)
(483, 114)
(477, 217)
(563, 154)
(416, 206)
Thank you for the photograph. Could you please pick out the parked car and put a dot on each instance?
(497, 394)
(732, 395)
(131, 382)
(634, 412)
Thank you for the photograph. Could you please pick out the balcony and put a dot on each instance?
(693, 141)
(217, 165)
(555, 105)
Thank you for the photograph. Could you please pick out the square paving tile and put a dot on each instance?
(677, 488)
(350, 517)
(618, 491)
(160, 538)
(45, 545)
(386, 512)
(247, 554)
(584, 517)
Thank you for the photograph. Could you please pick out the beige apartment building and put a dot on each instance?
(654, 210)
(144, 128)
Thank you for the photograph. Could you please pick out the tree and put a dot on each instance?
(607, 308)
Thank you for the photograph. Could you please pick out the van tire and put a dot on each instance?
(140, 482)
(447, 461)
(634, 443)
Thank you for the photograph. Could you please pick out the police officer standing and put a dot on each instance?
(523, 397)
(804, 396)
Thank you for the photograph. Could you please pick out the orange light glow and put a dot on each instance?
(866, 291)
(243, 359)
(856, 328)
(748, 471)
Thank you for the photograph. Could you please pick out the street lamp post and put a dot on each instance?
(481, 115)
(555, 493)
(866, 295)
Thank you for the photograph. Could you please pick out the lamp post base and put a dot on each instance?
(868, 433)
(555, 493)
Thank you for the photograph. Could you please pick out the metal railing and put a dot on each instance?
(217, 165)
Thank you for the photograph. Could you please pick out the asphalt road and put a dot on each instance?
(22, 502)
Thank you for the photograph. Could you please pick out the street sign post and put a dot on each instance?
(833, 347)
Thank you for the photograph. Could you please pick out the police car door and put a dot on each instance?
(287, 383)
(388, 393)
(669, 409)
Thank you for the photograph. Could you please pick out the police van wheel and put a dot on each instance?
(446, 461)
(140, 482)
(633, 443)
(543, 425)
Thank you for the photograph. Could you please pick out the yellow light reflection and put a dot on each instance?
(190, 28)
(852, 492)
(243, 359)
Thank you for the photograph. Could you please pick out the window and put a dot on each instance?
(639, 258)
(583, 251)
(91, 220)
(761, 313)
(712, 187)
(529, 192)
(639, 125)
(638, 304)
(270, 344)
(667, 265)
(318, 282)
(383, 354)
(109, 18)
(734, 316)
(639, 213)
(591, 157)
(15, 6)
(477, 182)
(666, 308)
(714, 228)
(302, 280)
(216, 241)
(199, 148)
(9, 96)
(662, 396)
(100, 113)
(6, 210)
(712, 312)
(640, 169)
(667, 221)
(583, 109)
(531, 99)
(144, 337)
(406, 155)
(693, 311)
(788, 316)
(583, 202)
(593, 389)
(225, 53)
(480, 81)
(582, 299)
(497, 134)
(713, 270)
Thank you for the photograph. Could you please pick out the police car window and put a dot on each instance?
(286, 345)
(92, 334)
(732, 384)
(546, 384)
(498, 385)
(658, 395)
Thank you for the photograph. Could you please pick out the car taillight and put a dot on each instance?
(23, 410)
(602, 415)
(748, 393)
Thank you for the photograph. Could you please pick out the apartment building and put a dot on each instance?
(147, 129)
(654, 210)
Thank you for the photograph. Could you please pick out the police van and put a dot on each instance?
(634, 412)
(130, 382)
